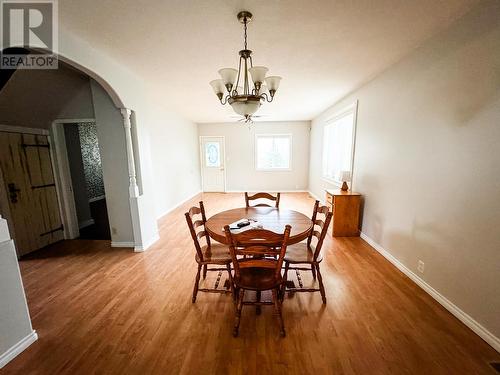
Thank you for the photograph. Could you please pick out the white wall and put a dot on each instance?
(175, 161)
(427, 162)
(16, 332)
(241, 174)
(112, 148)
(35, 98)
(152, 120)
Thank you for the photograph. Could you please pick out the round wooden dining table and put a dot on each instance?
(273, 219)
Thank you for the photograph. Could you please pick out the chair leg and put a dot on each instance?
(321, 286)
(257, 307)
(285, 279)
(205, 269)
(196, 282)
(313, 270)
(230, 278)
(238, 313)
(277, 308)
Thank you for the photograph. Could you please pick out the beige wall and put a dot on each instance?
(428, 163)
(35, 98)
(240, 155)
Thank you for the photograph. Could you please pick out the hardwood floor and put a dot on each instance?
(110, 311)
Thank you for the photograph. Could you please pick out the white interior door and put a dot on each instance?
(212, 164)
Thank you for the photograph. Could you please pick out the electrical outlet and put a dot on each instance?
(113, 230)
(421, 266)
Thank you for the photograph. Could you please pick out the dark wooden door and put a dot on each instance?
(30, 188)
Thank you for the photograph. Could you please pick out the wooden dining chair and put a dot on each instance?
(305, 253)
(259, 269)
(268, 196)
(210, 254)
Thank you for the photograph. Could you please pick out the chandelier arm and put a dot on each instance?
(239, 72)
(266, 97)
(246, 88)
(225, 100)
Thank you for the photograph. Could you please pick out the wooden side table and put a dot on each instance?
(345, 206)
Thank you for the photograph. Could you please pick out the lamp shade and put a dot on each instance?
(218, 86)
(258, 73)
(344, 176)
(228, 75)
(273, 82)
(245, 107)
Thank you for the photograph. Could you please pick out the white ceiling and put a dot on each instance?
(322, 49)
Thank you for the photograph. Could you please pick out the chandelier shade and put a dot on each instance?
(273, 83)
(245, 106)
(235, 87)
(228, 76)
(218, 86)
(258, 74)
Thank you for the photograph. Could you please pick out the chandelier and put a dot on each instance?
(244, 98)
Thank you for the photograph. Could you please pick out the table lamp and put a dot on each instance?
(344, 176)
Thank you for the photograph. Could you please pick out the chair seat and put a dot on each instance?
(301, 253)
(254, 278)
(215, 254)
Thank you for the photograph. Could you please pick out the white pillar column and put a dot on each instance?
(133, 188)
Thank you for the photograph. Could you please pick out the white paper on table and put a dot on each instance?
(254, 224)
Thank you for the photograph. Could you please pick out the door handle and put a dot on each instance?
(13, 192)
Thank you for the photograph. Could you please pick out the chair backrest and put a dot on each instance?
(321, 218)
(265, 249)
(196, 220)
(249, 198)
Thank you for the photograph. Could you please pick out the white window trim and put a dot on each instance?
(353, 107)
(273, 169)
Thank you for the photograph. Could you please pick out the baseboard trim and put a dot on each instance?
(98, 198)
(477, 328)
(161, 216)
(143, 248)
(122, 244)
(268, 191)
(86, 223)
(315, 197)
(17, 349)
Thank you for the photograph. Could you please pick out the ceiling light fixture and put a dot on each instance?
(244, 99)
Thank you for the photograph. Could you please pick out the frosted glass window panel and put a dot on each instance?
(338, 146)
(212, 154)
(91, 159)
(273, 152)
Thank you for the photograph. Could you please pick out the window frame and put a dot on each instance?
(272, 135)
(351, 108)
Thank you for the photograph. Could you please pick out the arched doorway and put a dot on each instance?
(116, 143)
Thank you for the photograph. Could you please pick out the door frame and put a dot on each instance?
(62, 176)
(202, 137)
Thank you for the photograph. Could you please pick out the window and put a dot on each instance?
(212, 154)
(272, 151)
(338, 144)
